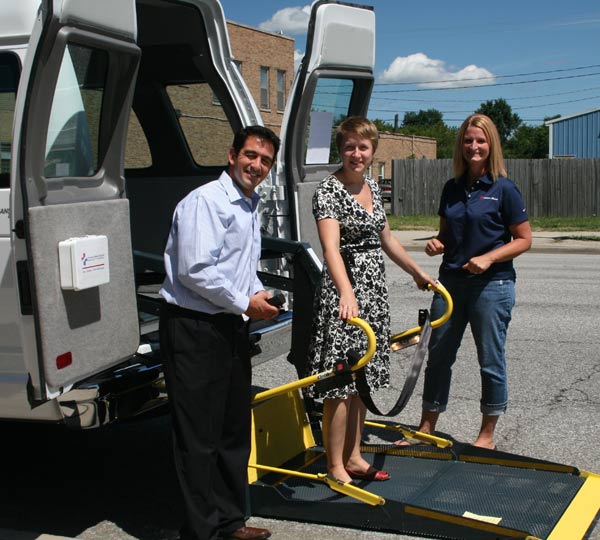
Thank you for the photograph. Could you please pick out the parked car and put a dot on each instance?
(386, 189)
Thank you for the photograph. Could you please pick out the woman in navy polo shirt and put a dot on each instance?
(483, 227)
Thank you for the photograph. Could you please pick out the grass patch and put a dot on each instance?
(562, 224)
(565, 224)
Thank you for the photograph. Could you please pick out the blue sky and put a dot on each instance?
(542, 57)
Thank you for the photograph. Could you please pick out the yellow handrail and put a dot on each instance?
(434, 324)
(324, 375)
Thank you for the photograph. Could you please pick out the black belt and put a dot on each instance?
(199, 315)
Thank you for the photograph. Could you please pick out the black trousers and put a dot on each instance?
(208, 376)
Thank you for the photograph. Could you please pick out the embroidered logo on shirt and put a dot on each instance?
(482, 198)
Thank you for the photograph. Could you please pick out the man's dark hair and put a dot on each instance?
(256, 131)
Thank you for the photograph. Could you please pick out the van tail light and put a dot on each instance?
(63, 360)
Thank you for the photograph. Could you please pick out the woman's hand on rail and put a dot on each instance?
(348, 307)
(424, 281)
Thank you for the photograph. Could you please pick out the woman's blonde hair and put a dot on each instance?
(359, 125)
(495, 164)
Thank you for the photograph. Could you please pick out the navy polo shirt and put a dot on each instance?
(477, 222)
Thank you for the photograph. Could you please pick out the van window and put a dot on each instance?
(204, 123)
(74, 127)
(137, 151)
(332, 97)
(9, 80)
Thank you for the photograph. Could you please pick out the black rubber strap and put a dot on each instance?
(410, 382)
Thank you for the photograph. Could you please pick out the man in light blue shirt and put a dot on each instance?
(210, 289)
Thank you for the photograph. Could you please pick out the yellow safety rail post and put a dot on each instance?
(345, 488)
(412, 434)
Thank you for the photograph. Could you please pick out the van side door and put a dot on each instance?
(335, 80)
(70, 217)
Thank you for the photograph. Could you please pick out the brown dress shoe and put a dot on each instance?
(248, 533)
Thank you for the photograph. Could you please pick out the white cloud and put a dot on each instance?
(290, 20)
(419, 68)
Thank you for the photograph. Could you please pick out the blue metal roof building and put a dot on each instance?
(575, 136)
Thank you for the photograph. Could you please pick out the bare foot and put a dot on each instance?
(339, 474)
(489, 445)
(359, 466)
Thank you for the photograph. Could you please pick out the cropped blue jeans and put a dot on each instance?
(486, 306)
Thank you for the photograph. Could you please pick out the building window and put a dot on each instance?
(264, 87)
(280, 90)
(381, 175)
(205, 127)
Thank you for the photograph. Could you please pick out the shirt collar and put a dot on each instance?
(486, 180)
(234, 192)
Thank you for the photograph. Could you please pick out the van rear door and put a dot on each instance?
(77, 311)
(334, 81)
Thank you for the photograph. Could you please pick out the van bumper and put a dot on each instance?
(126, 391)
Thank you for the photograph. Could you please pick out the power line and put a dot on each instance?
(495, 76)
(513, 108)
(479, 87)
(417, 100)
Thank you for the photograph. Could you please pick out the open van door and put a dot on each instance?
(70, 218)
(335, 80)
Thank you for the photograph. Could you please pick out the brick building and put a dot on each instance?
(397, 146)
(266, 61)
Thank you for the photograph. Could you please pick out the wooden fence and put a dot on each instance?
(550, 187)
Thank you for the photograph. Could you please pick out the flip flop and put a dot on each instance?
(409, 442)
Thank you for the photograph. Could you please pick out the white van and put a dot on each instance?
(110, 112)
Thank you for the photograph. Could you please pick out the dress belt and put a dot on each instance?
(347, 253)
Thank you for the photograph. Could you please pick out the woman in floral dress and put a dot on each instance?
(354, 234)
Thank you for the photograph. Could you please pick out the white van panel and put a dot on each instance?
(4, 213)
(344, 36)
(17, 19)
(114, 15)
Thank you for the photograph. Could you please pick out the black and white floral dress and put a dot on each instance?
(359, 239)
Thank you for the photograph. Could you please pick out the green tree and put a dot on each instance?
(501, 114)
(428, 118)
(528, 142)
(383, 125)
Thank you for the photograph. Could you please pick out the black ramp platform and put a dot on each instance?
(460, 493)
